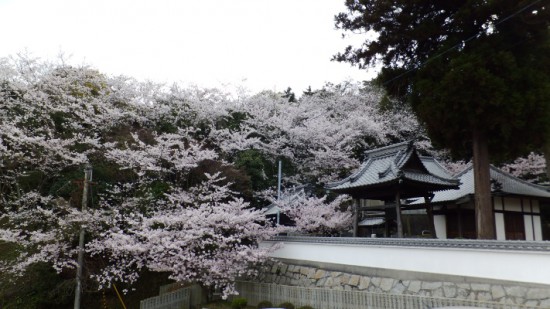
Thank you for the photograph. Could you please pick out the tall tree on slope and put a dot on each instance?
(475, 72)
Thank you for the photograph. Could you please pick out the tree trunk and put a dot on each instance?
(547, 158)
(485, 222)
(430, 213)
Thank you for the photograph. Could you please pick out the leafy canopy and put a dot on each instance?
(464, 66)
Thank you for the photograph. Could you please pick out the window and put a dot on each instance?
(461, 223)
(514, 226)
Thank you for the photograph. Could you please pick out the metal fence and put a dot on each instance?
(173, 296)
(338, 299)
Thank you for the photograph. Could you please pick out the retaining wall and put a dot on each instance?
(288, 273)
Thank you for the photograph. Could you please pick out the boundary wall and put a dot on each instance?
(507, 272)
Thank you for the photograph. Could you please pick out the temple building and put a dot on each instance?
(398, 193)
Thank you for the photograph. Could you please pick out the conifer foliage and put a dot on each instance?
(475, 73)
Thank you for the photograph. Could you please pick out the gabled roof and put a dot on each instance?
(396, 165)
(288, 196)
(502, 183)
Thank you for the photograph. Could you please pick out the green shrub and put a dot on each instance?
(306, 307)
(239, 303)
(286, 305)
(264, 304)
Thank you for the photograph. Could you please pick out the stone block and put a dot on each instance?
(364, 283)
(335, 274)
(386, 284)
(481, 287)
(484, 296)
(344, 279)
(519, 300)
(462, 293)
(319, 274)
(337, 280)
(284, 268)
(274, 268)
(321, 282)
(449, 291)
(538, 293)
(431, 285)
(545, 303)
(532, 303)
(304, 270)
(376, 281)
(398, 288)
(329, 282)
(425, 293)
(414, 287)
(311, 273)
(353, 280)
(498, 292)
(436, 293)
(515, 291)
(464, 286)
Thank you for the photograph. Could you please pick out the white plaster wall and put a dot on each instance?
(528, 227)
(538, 227)
(498, 203)
(440, 224)
(498, 264)
(499, 224)
(512, 204)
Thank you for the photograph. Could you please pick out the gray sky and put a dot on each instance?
(261, 44)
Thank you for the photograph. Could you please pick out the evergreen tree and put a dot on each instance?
(308, 91)
(475, 72)
(289, 95)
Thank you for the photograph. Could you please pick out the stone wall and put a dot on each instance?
(308, 276)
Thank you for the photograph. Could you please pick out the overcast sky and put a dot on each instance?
(261, 44)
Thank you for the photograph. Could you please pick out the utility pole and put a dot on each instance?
(279, 175)
(86, 183)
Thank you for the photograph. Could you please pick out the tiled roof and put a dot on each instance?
(372, 221)
(502, 182)
(288, 196)
(388, 164)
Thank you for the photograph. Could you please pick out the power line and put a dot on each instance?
(462, 42)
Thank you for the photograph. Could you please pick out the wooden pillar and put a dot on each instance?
(398, 215)
(355, 216)
(429, 211)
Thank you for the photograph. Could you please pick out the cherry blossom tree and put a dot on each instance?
(314, 215)
(323, 134)
(152, 208)
(204, 234)
(531, 168)
(55, 119)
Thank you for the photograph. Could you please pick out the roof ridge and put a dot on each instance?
(498, 170)
(387, 148)
(439, 177)
(464, 171)
(358, 172)
(437, 163)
